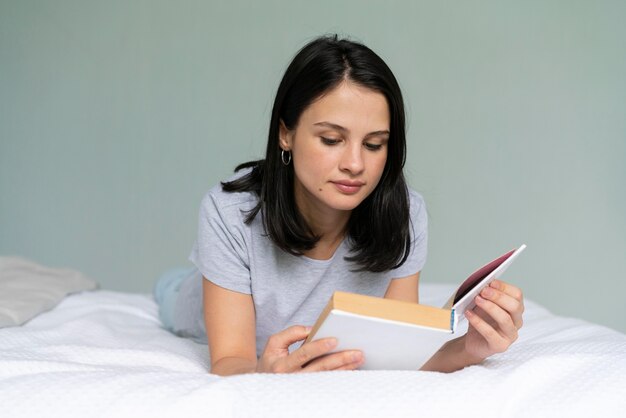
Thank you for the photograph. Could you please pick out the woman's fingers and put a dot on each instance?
(507, 302)
(507, 288)
(508, 297)
(308, 352)
(279, 342)
(505, 326)
(313, 356)
(496, 342)
(344, 360)
(351, 366)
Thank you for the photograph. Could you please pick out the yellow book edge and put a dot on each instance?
(381, 308)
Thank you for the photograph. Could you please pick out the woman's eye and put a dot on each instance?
(373, 147)
(329, 141)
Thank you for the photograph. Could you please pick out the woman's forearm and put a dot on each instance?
(451, 357)
(229, 366)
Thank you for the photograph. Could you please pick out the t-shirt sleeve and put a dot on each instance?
(419, 237)
(220, 251)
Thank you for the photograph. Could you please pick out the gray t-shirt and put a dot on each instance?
(287, 290)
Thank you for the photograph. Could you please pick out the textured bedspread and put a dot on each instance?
(104, 353)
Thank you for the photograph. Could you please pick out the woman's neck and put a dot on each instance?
(330, 227)
(327, 223)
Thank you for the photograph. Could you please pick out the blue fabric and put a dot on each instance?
(166, 293)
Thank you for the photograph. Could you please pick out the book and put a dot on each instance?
(398, 335)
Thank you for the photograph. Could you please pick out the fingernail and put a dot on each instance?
(479, 299)
(331, 343)
(356, 357)
(487, 291)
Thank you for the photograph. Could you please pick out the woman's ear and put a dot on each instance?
(284, 136)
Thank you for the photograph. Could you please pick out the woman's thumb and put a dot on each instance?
(283, 339)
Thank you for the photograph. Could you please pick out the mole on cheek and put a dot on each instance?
(320, 189)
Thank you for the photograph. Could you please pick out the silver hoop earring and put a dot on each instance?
(287, 160)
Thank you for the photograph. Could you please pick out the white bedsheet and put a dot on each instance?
(103, 353)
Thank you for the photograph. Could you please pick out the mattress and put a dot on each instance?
(104, 353)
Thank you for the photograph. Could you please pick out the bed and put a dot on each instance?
(104, 353)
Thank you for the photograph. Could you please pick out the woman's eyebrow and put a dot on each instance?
(344, 130)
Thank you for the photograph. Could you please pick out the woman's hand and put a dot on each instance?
(310, 357)
(493, 326)
(494, 323)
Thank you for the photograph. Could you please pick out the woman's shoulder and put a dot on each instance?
(230, 202)
(417, 211)
(416, 201)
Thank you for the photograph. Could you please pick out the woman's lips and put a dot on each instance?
(348, 187)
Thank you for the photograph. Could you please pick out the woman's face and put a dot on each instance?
(339, 148)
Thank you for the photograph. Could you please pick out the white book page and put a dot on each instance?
(386, 345)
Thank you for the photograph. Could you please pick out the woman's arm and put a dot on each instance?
(230, 323)
(405, 289)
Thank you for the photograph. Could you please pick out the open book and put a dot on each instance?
(396, 335)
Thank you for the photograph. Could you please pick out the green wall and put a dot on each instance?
(117, 116)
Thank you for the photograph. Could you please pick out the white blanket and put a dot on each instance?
(104, 353)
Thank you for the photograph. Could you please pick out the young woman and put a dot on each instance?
(327, 209)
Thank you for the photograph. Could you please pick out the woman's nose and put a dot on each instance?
(352, 160)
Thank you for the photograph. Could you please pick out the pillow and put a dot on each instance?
(28, 289)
